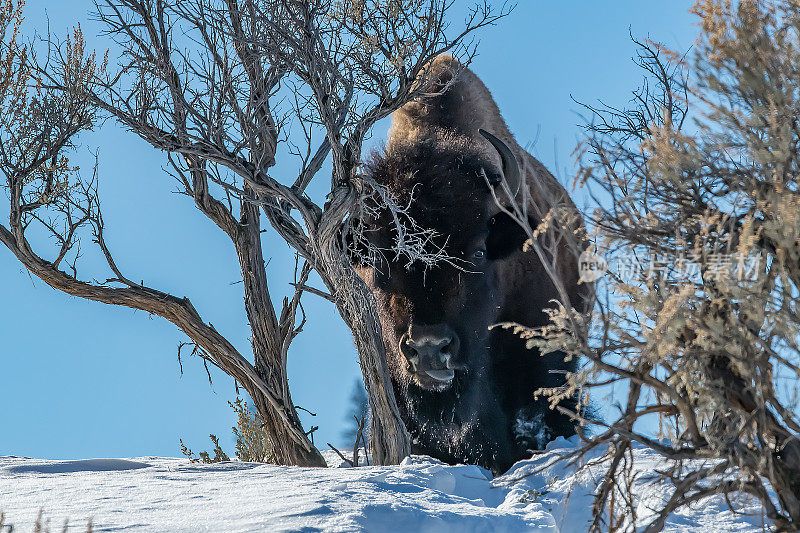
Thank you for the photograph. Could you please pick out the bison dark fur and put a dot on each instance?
(465, 390)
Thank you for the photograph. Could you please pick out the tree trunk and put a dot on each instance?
(284, 448)
(390, 442)
(290, 445)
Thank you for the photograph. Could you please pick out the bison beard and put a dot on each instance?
(465, 390)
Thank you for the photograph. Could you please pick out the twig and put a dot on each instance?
(345, 459)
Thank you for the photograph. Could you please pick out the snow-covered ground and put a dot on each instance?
(422, 494)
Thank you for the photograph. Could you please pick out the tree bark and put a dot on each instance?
(284, 448)
(287, 446)
(390, 442)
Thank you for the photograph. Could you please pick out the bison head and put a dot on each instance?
(436, 316)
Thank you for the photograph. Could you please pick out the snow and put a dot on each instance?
(421, 494)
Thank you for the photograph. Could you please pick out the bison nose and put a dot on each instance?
(429, 349)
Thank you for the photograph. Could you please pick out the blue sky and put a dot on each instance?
(81, 379)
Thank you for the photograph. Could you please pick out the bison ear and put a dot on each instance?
(505, 236)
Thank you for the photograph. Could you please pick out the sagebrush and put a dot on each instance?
(696, 323)
(253, 442)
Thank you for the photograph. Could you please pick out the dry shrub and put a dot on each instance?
(252, 439)
(696, 324)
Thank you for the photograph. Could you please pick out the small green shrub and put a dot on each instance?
(252, 440)
(204, 457)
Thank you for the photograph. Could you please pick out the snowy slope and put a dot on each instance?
(422, 494)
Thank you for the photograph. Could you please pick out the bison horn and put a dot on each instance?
(510, 165)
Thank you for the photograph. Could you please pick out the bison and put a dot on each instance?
(465, 390)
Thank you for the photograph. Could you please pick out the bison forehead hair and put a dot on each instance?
(439, 179)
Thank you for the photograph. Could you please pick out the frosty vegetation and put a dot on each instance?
(696, 323)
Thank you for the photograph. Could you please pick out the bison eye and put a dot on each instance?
(479, 255)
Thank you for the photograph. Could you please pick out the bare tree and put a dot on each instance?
(696, 322)
(216, 84)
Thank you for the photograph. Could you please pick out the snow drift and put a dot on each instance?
(421, 494)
